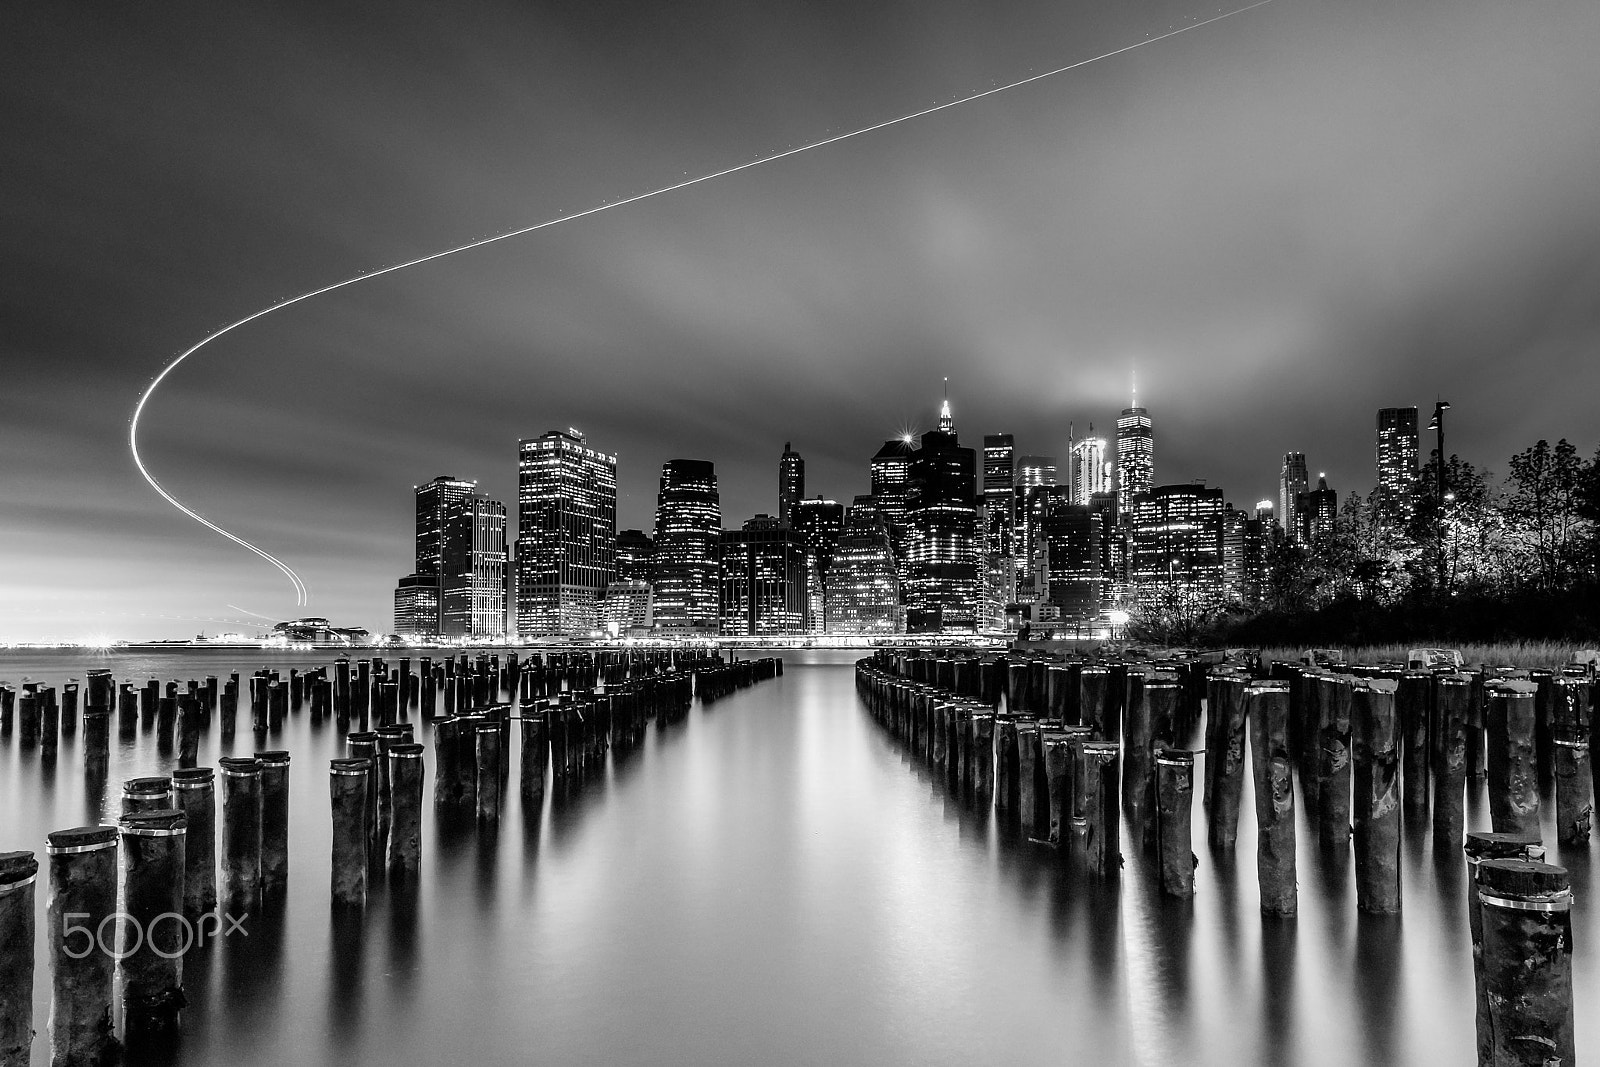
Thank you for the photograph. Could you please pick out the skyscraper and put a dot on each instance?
(1070, 559)
(1136, 444)
(1292, 484)
(636, 556)
(943, 581)
(1035, 470)
(566, 534)
(891, 488)
(818, 523)
(688, 527)
(1318, 510)
(763, 579)
(1397, 464)
(629, 604)
(472, 598)
(863, 591)
(1244, 542)
(1089, 471)
(1177, 544)
(999, 501)
(791, 482)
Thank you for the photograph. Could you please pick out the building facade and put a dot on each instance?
(791, 482)
(1397, 465)
(1293, 481)
(863, 592)
(763, 579)
(472, 597)
(688, 529)
(943, 581)
(1176, 548)
(566, 534)
(1136, 454)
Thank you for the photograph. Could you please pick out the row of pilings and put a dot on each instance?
(1064, 751)
(128, 902)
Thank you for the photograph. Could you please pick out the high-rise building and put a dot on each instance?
(1070, 559)
(818, 524)
(943, 582)
(999, 500)
(1136, 462)
(863, 591)
(791, 482)
(1318, 511)
(1397, 464)
(636, 557)
(1176, 549)
(472, 591)
(1090, 471)
(566, 534)
(460, 554)
(1292, 485)
(763, 579)
(1035, 470)
(891, 488)
(1244, 544)
(688, 528)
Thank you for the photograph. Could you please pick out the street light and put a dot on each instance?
(1445, 496)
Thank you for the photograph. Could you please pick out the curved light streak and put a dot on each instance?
(288, 572)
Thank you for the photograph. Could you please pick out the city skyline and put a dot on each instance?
(1037, 248)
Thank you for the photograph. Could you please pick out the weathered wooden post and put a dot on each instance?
(1333, 760)
(189, 722)
(347, 786)
(127, 713)
(1057, 752)
(1451, 696)
(1093, 684)
(1174, 812)
(982, 730)
(194, 794)
(1137, 733)
(1225, 762)
(274, 824)
(146, 794)
(488, 763)
(1527, 962)
(1005, 772)
(241, 835)
(363, 744)
(1267, 711)
(83, 896)
(535, 756)
(152, 901)
(1375, 747)
(1411, 704)
(405, 808)
(446, 745)
(1482, 845)
(1573, 774)
(1032, 797)
(1096, 790)
(18, 871)
(96, 738)
(1513, 761)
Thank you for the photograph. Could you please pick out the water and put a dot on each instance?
(775, 881)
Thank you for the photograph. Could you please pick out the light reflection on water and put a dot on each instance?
(775, 881)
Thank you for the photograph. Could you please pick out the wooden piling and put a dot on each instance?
(83, 896)
(1452, 696)
(152, 938)
(1174, 812)
(347, 786)
(535, 756)
(1267, 712)
(1097, 790)
(1483, 845)
(1056, 749)
(1411, 702)
(274, 824)
(241, 835)
(146, 794)
(405, 808)
(1032, 795)
(1573, 773)
(1225, 760)
(1527, 962)
(1375, 751)
(1512, 758)
(18, 872)
(194, 794)
(1333, 761)
(487, 737)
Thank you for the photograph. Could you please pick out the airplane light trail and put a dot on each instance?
(605, 205)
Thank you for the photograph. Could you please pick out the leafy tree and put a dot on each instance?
(1543, 509)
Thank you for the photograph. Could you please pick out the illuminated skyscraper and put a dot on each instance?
(688, 527)
(863, 591)
(1318, 511)
(1244, 543)
(416, 606)
(1292, 485)
(1136, 445)
(791, 482)
(1070, 559)
(1089, 471)
(999, 500)
(1397, 464)
(636, 557)
(1176, 551)
(566, 534)
(629, 604)
(943, 582)
(891, 488)
(1035, 470)
(763, 579)
(472, 597)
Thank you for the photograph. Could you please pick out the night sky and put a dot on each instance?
(1279, 222)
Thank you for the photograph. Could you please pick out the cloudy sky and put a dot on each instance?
(1279, 222)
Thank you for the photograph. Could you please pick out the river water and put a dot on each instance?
(775, 881)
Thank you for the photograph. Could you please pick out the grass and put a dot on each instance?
(1552, 654)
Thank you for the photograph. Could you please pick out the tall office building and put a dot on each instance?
(891, 488)
(863, 591)
(636, 557)
(1070, 557)
(1136, 462)
(472, 592)
(1292, 485)
(1244, 544)
(1033, 473)
(1397, 464)
(1089, 470)
(762, 573)
(629, 604)
(943, 581)
(460, 553)
(1176, 547)
(688, 528)
(1318, 510)
(1035, 470)
(818, 524)
(999, 501)
(791, 482)
(566, 534)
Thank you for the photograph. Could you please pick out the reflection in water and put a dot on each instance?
(777, 881)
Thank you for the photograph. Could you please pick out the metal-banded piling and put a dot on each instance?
(348, 791)
(153, 936)
(274, 824)
(1267, 711)
(194, 794)
(405, 807)
(241, 834)
(1527, 962)
(18, 873)
(1375, 750)
(82, 904)
(1511, 719)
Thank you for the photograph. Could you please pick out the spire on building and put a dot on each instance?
(947, 422)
